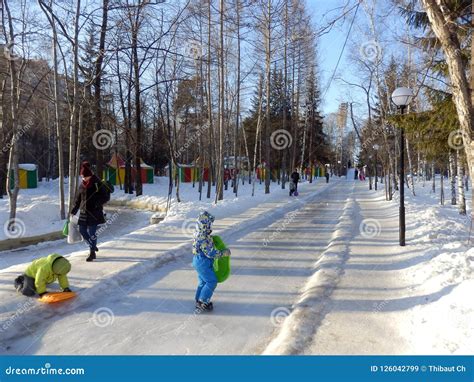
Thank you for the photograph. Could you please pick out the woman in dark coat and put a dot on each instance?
(90, 200)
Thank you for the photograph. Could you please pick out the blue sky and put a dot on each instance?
(391, 30)
(330, 46)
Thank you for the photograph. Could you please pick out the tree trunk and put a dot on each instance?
(452, 177)
(266, 133)
(73, 158)
(210, 171)
(138, 119)
(257, 133)
(237, 116)
(411, 180)
(3, 154)
(462, 89)
(14, 227)
(98, 87)
(285, 96)
(461, 195)
(220, 159)
(441, 193)
(390, 177)
(59, 132)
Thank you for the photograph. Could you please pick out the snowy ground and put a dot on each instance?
(127, 258)
(318, 274)
(386, 299)
(37, 211)
(38, 208)
(120, 220)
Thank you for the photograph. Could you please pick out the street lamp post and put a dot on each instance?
(369, 172)
(376, 147)
(402, 97)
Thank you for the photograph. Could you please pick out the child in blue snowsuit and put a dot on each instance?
(204, 254)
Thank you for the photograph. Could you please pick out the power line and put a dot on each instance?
(342, 52)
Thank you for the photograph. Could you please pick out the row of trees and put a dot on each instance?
(438, 138)
(166, 82)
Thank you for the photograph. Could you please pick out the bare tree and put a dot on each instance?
(15, 94)
(48, 11)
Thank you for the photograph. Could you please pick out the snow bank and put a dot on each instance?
(37, 212)
(444, 326)
(38, 209)
(299, 327)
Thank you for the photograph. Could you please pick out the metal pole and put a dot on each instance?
(402, 183)
(375, 165)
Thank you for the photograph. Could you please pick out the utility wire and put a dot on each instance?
(342, 52)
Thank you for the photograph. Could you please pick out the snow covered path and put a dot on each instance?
(385, 299)
(123, 219)
(362, 312)
(318, 274)
(154, 314)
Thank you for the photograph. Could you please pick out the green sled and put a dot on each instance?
(66, 228)
(222, 264)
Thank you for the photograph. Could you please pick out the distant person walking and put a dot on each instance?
(91, 197)
(295, 178)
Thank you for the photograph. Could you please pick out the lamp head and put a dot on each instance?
(402, 96)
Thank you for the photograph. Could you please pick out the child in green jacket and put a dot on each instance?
(44, 271)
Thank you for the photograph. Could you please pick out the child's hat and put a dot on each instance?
(61, 266)
(205, 219)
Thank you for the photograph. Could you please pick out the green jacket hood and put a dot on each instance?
(42, 271)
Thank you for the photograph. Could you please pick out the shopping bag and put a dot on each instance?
(66, 228)
(74, 236)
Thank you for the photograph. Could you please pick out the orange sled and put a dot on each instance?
(52, 297)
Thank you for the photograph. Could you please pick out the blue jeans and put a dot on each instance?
(206, 276)
(88, 233)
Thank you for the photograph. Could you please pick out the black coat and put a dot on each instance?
(90, 202)
(295, 177)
